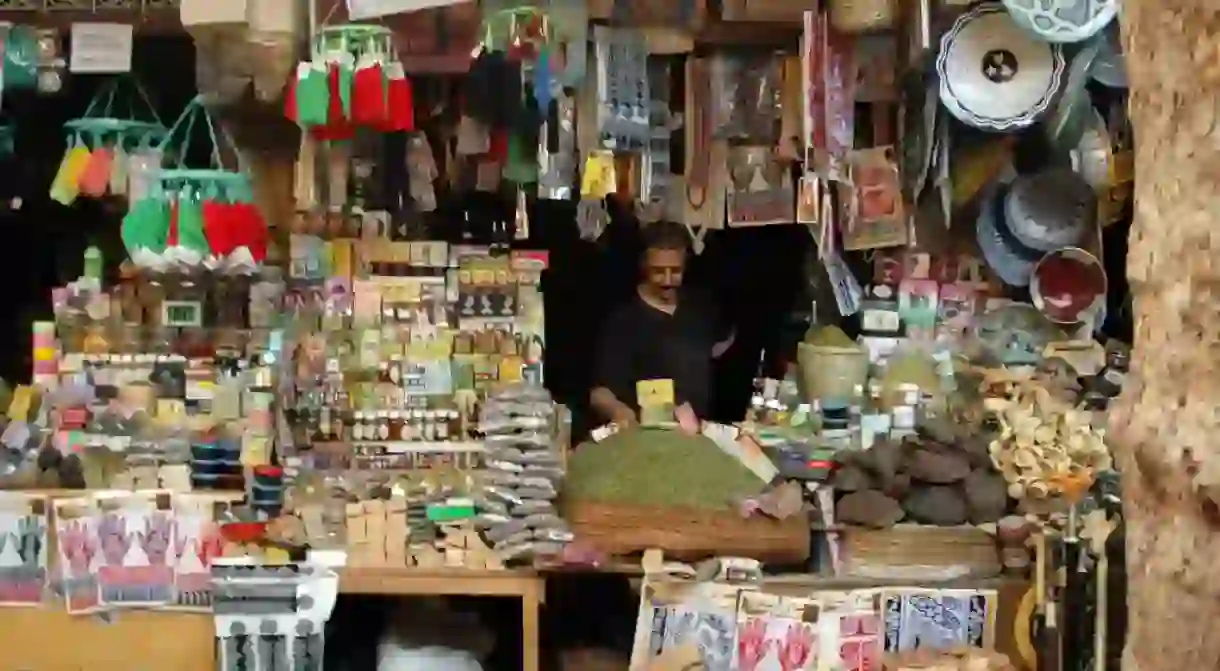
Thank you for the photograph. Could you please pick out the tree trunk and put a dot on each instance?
(1166, 426)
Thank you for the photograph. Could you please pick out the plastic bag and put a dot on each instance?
(311, 96)
(118, 171)
(400, 104)
(66, 185)
(94, 178)
(370, 105)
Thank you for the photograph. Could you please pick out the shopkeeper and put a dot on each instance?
(666, 332)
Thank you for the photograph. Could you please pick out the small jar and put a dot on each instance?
(396, 425)
(417, 423)
(429, 425)
(455, 426)
(325, 432)
(358, 427)
(383, 425)
(442, 425)
(396, 370)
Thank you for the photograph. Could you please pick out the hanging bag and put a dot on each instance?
(370, 96)
(119, 116)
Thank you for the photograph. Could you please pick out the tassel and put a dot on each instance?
(305, 179)
(591, 218)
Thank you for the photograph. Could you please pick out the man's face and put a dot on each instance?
(663, 271)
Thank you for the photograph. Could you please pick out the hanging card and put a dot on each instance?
(134, 536)
(76, 526)
(23, 549)
(196, 542)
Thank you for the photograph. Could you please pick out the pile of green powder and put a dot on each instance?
(657, 467)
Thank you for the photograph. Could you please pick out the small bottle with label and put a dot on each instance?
(395, 425)
(358, 427)
(442, 425)
(325, 432)
(429, 425)
(383, 425)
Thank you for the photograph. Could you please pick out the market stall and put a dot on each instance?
(275, 410)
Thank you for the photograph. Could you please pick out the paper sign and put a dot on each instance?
(100, 48)
(654, 393)
(371, 9)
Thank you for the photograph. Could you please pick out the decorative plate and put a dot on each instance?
(1068, 285)
(1110, 67)
(1063, 21)
(1050, 209)
(993, 74)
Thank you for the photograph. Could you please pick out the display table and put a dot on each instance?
(526, 585)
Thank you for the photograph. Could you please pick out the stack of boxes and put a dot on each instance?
(377, 532)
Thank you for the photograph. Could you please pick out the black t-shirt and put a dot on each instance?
(640, 342)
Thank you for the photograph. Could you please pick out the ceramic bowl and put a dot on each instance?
(1110, 67)
(1063, 21)
(1068, 285)
(994, 75)
(1050, 209)
(1093, 157)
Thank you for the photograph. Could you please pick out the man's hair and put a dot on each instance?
(665, 235)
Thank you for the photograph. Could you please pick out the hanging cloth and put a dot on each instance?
(400, 102)
(95, 176)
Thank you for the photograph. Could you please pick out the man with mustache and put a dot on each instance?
(666, 332)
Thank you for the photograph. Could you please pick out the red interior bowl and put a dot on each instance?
(244, 532)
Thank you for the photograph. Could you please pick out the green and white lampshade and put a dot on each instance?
(1063, 21)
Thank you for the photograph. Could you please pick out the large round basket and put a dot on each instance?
(688, 533)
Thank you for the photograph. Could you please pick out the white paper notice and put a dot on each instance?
(371, 9)
(100, 48)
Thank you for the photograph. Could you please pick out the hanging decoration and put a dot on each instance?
(995, 75)
(120, 128)
(353, 79)
(192, 217)
(1064, 21)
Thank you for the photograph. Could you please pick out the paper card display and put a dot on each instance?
(938, 619)
(134, 536)
(76, 529)
(673, 615)
(777, 633)
(196, 542)
(100, 48)
(23, 549)
(358, 10)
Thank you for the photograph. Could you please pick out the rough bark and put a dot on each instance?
(1166, 426)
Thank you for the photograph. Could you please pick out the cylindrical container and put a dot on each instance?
(861, 16)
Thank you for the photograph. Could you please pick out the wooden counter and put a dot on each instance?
(48, 639)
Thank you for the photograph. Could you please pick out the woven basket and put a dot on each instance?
(909, 548)
(688, 533)
(861, 16)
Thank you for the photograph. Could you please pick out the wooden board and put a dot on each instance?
(48, 639)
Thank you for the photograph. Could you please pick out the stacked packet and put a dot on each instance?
(516, 502)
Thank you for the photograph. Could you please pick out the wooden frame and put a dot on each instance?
(526, 585)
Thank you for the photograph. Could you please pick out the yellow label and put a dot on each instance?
(510, 369)
(598, 179)
(654, 393)
(170, 408)
(255, 451)
(44, 353)
(23, 399)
